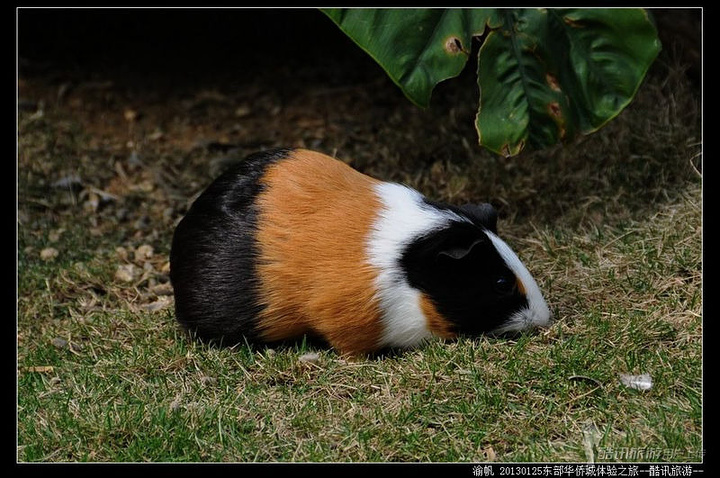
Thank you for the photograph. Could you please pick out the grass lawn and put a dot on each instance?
(100, 382)
(610, 226)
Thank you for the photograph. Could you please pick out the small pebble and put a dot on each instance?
(638, 382)
(310, 357)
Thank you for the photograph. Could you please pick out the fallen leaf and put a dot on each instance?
(144, 186)
(48, 254)
(40, 369)
(126, 272)
(490, 454)
(121, 253)
(92, 203)
(163, 288)
(59, 342)
(161, 303)
(583, 377)
(144, 252)
(55, 234)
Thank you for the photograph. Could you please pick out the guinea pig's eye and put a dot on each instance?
(504, 283)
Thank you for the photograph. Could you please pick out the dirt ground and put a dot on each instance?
(171, 101)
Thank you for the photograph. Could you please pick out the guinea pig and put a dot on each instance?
(291, 242)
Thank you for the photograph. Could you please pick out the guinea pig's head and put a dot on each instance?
(473, 277)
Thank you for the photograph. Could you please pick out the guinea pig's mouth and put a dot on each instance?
(522, 322)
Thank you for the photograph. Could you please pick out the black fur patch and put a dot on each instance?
(482, 214)
(214, 253)
(461, 271)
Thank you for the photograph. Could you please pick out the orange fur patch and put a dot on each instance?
(315, 215)
(437, 324)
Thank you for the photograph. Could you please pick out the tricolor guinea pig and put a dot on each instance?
(291, 242)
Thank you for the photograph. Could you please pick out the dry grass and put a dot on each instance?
(611, 226)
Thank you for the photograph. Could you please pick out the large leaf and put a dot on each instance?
(547, 74)
(544, 75)
(418, 48)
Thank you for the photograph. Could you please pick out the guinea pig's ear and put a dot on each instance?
(483, 214)
(460, 251)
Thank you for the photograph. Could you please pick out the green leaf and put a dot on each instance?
(418, 48)
(547, 75)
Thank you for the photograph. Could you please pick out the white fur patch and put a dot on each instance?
(403, 218)
(537, 313)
